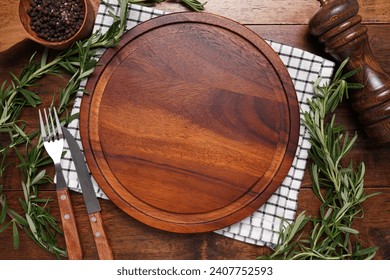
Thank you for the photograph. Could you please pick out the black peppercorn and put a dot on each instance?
(48, 18)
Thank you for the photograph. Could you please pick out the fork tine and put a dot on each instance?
(43, 131)
(53, 128)
(58, 123)
(49, 134)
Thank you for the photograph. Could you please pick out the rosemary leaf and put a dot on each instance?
(3, 213)
(37, 179)
(44, 57)
(192, 4)
(5, 226)
(15, 238)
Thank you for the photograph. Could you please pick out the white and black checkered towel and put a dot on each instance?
(261, 227)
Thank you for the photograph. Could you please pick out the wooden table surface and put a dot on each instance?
(282, 21)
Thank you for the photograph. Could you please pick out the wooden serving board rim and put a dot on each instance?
(86, 114)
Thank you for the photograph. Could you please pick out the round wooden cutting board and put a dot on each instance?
(191, 122)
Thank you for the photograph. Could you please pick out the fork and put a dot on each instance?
(53, 142)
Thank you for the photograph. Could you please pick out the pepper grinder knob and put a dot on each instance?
(339, 28)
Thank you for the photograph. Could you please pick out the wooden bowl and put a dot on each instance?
(84, 31)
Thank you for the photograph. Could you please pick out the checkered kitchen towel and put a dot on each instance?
(261, 227)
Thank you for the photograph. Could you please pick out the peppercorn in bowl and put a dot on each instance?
(56, 23)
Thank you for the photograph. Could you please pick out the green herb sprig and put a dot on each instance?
(332, 233)
(192, 4)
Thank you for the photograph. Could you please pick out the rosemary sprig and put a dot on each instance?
(332, 233)
(191, 4)
(194, 5)
(145, 2)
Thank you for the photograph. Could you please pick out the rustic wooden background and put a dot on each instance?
(280, 20)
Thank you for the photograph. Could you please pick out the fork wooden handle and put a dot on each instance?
(102, 243)
(72, 240)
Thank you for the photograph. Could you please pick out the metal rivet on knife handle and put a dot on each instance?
(102, 243)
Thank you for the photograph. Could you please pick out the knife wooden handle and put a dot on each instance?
(102, 243)
(72, 240)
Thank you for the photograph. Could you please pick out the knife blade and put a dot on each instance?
(91, 202)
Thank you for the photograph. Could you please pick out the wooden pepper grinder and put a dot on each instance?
(339, 28)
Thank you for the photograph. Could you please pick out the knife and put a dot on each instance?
(91, 202)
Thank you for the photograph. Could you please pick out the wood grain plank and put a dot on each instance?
(131, 239)
(245, 12)
(281, 11)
